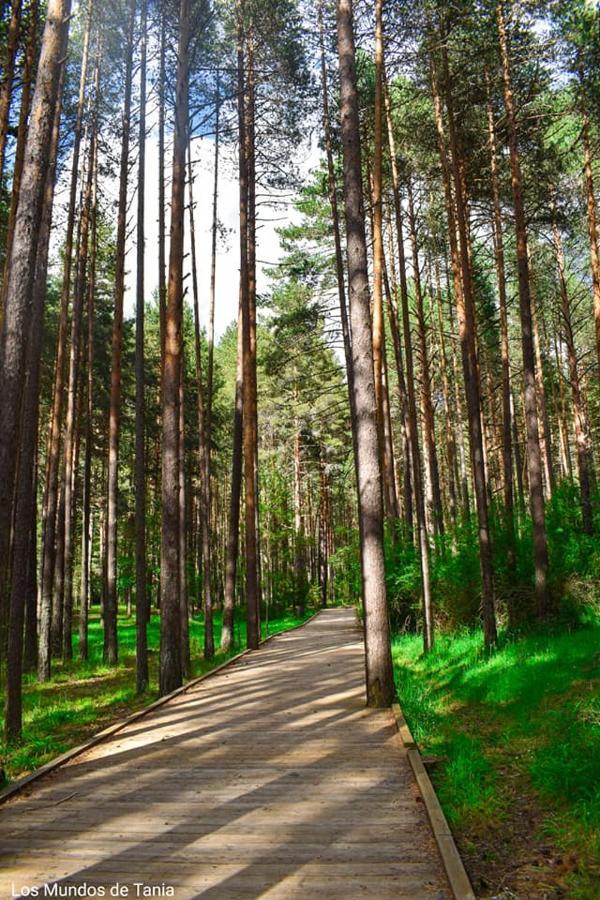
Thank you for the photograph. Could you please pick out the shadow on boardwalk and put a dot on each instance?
(270, 779)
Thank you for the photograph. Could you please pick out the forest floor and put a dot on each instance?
(83, 698)
(514, 746)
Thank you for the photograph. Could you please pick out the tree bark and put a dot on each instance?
(592, 223)
(170, 619)
(22, 597)
(6, 84)
(142, 612)
(507, 455)
(534, 462)
(579, 415)
(431, 458)
(25, 107)
(417, 483)
(234, 501)
(17, 311)
(463, 288)
(379, 673)
(203, 450)
(114, 423)
(74, 387)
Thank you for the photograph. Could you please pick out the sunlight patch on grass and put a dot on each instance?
(529, 710)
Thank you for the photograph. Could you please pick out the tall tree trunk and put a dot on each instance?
(299, 559)
(579, 415)
(391, 494)
(71, 424)
(431, 459)
(415, 456)
(592, 223)
(392, 307)
(450, 421)
(142, 612)
(6, 84)
(17, 311)
(86, 538)
(534, 461)
(21, 595)
(203, 450)
(335, 219)
(377, 314)
(210, 331)
(50, 502)
(543, 418)
(114, 422)
(379, 673)
(463, 288)
(25, 107)
(507, 455)
(170, 620)
(186, 663)
(233, 525)
(162, 204)
(246, 128)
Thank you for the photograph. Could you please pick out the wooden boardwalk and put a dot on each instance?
(270, 779)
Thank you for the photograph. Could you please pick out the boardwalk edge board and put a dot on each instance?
(457, 876)
(17, 786)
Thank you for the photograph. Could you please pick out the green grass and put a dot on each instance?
(518, 733)
(82, 698)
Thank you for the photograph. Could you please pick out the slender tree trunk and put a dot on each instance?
(507, 455)
(71, 424)
(379, 673)
(426, 401)
(6, 84)
(234, 500)
(186, 663)
(203, 451)
(461, 263)
(162, 205)
(579, 416)
(424, 550)
(25, 107)
(299, 560)
(17, 311)
(592, 223)
(392, 307)
(22, 596)
(335, 219)
(170, 621)
(246, 124)
(141, 593)
(450, 422)
(566, 464)
(391, 494)
(114, 424)
(50, 521)
(534, 462)
(210, 332)
(377, 314)
(542, 402)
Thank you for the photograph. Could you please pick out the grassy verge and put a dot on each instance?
(515, 745)
(82, 698)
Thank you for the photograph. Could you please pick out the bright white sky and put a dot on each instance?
(227, 274)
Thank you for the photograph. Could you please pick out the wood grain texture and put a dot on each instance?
(270, 779)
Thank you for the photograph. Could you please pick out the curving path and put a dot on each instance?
(270, 779)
